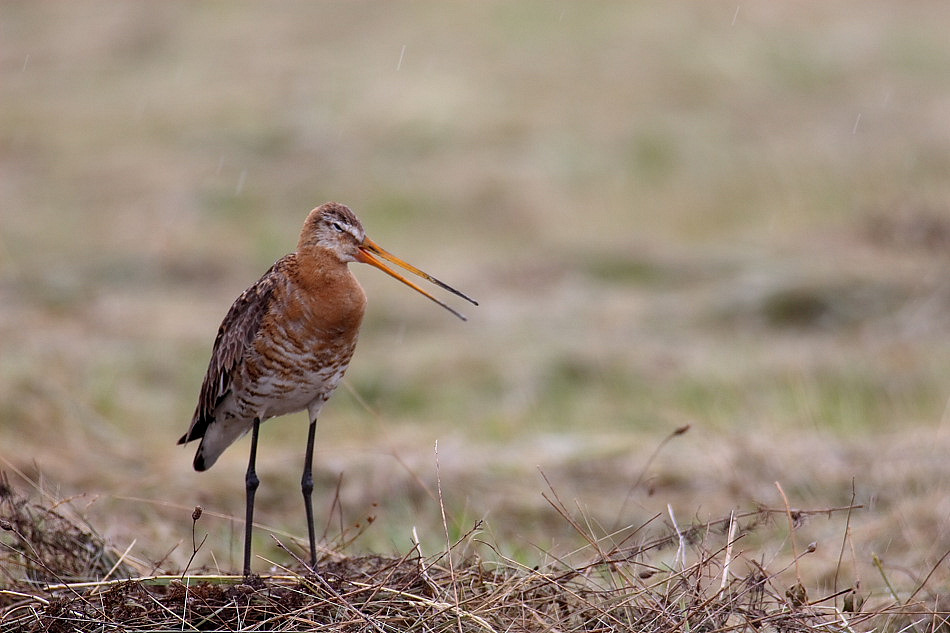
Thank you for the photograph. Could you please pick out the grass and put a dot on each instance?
(61, 574)
(672, 215)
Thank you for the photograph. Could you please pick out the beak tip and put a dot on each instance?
(366, 251)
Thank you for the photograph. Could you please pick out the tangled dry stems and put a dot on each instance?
(59, 575)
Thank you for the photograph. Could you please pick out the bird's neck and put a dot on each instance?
(321, 274)
(320, 267)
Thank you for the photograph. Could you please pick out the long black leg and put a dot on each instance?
(306, 487)
(250, 486)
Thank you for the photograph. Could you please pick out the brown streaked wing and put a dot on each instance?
(238, 329)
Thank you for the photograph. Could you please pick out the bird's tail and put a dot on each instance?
(216, 437)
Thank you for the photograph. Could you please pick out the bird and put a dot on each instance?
(285, 344)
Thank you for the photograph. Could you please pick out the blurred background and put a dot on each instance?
(732, 216)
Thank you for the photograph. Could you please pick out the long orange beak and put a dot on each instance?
(369, 248)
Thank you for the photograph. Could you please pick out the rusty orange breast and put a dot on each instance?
(306, 339)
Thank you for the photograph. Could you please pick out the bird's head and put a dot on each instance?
(334, 227)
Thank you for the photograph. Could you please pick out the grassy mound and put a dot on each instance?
(57, 574)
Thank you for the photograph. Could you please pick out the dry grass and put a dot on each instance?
(57, 578)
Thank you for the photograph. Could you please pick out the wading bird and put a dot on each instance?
(286, 342)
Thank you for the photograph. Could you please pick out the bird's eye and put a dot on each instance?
(338, 227)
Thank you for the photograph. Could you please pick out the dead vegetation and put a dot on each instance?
(57, 574)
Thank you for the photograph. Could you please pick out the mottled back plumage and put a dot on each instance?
(235, 334)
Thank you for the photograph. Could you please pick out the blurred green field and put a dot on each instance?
(732, 216)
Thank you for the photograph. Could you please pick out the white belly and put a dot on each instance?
(289, 395)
